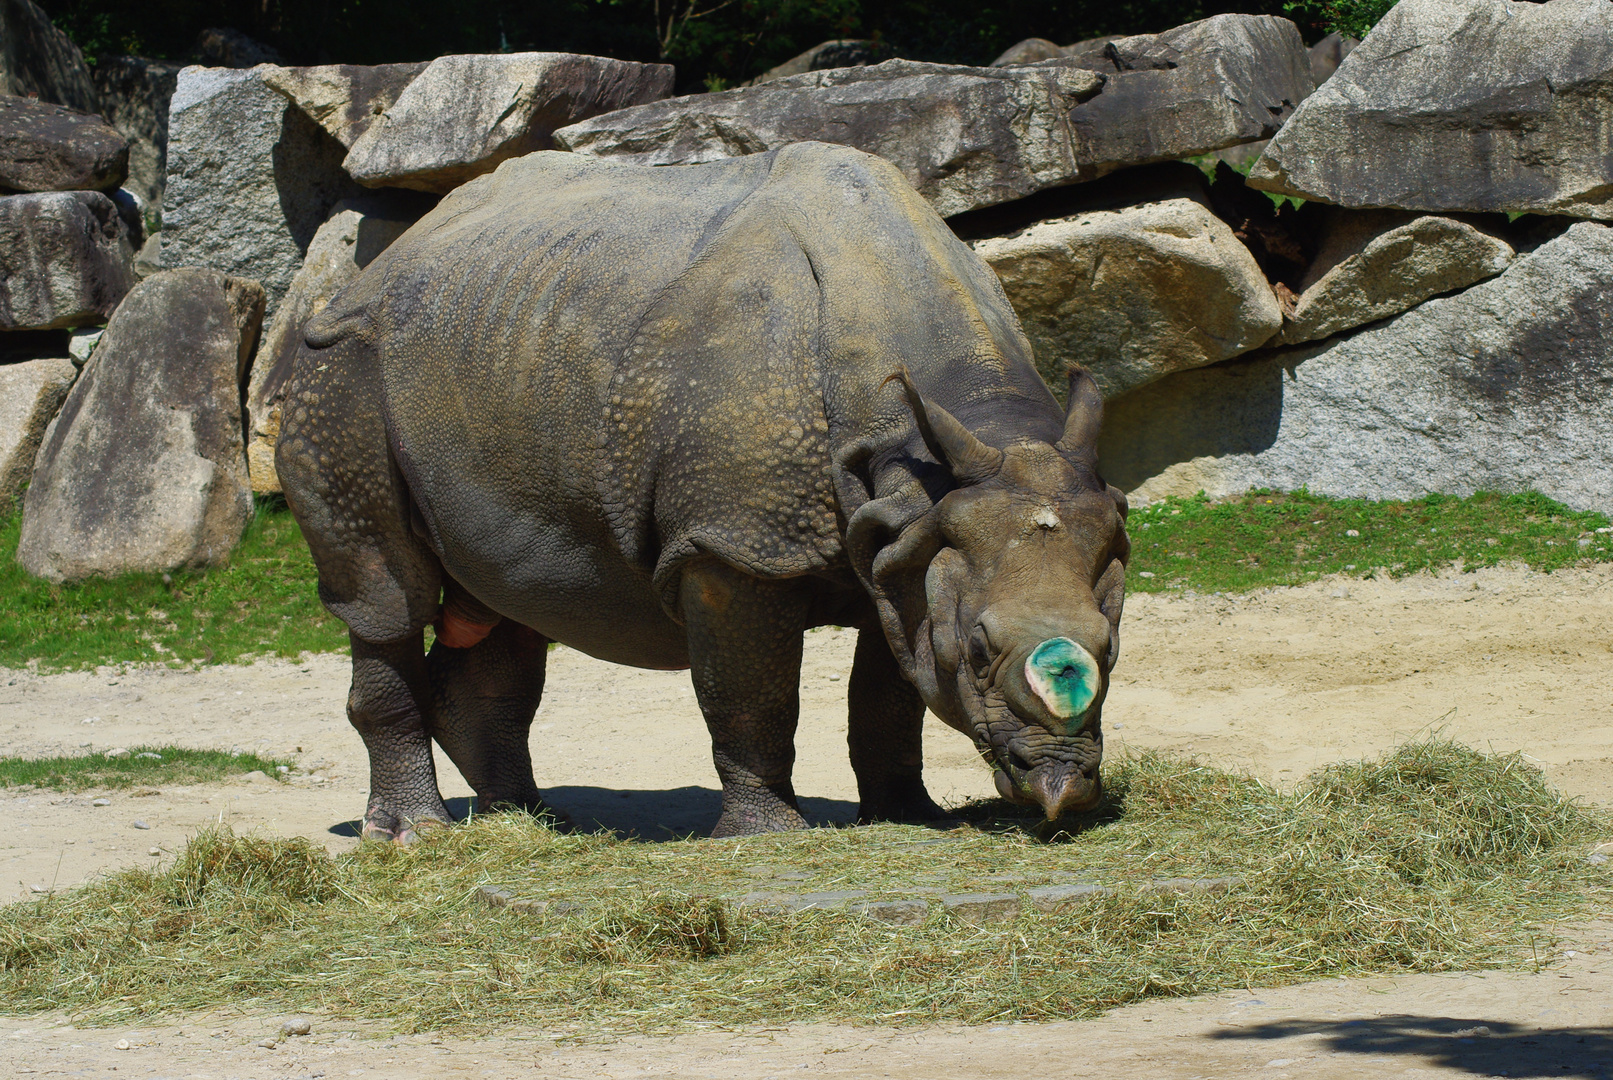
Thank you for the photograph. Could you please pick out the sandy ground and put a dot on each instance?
(1276, 682)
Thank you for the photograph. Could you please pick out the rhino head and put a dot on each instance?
(1006, 596)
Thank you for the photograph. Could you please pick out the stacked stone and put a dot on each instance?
(1424, 315)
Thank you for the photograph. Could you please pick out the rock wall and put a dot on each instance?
(1397, 329)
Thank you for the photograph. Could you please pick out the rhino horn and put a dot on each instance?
(1083, 417)
(954, 445)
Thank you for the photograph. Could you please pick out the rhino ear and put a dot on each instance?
(1083, 417)
(890, 543)
(953, 445)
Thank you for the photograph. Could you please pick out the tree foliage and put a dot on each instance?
(713, 42)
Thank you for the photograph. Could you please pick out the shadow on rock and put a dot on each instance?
(1480, 1047)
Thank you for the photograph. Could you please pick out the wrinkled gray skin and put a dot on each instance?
(650, 413)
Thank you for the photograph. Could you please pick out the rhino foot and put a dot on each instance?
(383, 824)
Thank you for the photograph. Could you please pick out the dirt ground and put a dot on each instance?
(1276, 682)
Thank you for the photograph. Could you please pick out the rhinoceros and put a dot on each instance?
(674, 417)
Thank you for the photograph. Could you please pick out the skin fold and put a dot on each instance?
(674, 418)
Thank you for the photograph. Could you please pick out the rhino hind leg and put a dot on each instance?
(375, 573)
(885, 733)
(484, 698)
(745, 660)
(388, 704)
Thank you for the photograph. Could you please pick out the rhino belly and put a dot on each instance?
(544, 556)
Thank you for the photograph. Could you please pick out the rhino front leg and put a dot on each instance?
(885, 733)
(745, 660)
(388, 706)
(485, 698)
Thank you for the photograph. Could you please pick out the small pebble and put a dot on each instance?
(149, 756)
(37, 888)
(117, 752)
(102, 802)
(121, 1044)
(1145, 573)
(268, 1044)
(1352, 532)
(141, 825)
(296, 1027)
(155, 851)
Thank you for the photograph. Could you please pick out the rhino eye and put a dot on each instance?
(980, 652)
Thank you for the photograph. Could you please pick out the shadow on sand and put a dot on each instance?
(1479, 1047)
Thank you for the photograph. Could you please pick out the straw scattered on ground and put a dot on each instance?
(1434, 858)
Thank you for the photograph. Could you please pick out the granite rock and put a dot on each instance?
(1134, 294)
(1376, 263)
(1507, 386)
(65, 260)
(38, 60)
(30, 395)
(250, 179)
(1480, 105)
(134, 99)
(144, 468)
(53, 148)
(464, 114)
(344, 99)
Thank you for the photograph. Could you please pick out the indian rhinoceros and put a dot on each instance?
(674, 417)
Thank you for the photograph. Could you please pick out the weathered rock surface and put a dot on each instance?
(964, 137)
(30, 395)
(1507, 386)
(1377, 263)
(144, 467)
(1030, 51)
(971, 137)
(1204, 86)
(1481, 105)
(250, 179)
(53, 148)
(344, 99)
(225, 46)
(839, 53)
(134, 99)
(464, 114)
(1328, 54)
(65, 260)
(38, 60)
(358, 231)
(1134, 294)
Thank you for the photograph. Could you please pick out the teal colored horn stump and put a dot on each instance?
(1063, 675)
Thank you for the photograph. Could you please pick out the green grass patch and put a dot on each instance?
(1268, 538)
(1435, 857)
(137, 765)
(263, 603)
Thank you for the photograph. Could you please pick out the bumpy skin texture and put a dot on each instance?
(648, 413)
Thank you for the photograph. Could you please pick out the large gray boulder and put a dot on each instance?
(1376, 263)
(1328, 54)
(53, 148)
(1204, 86)
(135, 93)
(38, 60)
(1505, 387)
(65, 260)
(250, 179)
(1134, 294)
(1481, 105)
(358, 231)
(972, 137)
(963, 137)
(464, 114)
(30, 395)
(344, 99)
(144, 467)
(838, 53)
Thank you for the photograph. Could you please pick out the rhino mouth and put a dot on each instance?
(1035, 767)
